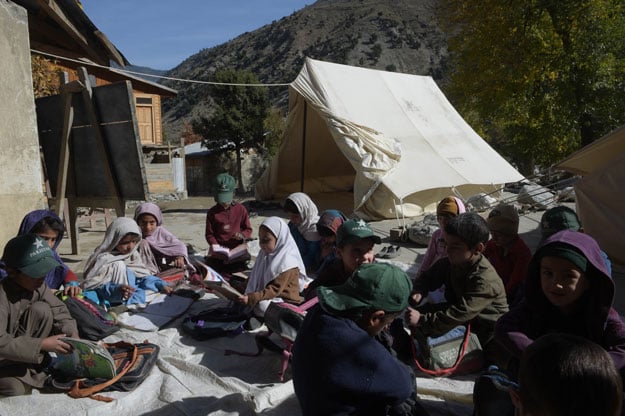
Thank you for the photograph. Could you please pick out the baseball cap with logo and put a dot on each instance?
(354, 230)
(377, 286)
(29, 254)
(557, 219)
(224, 188)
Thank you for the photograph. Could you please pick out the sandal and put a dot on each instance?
(392, 252)
(382, 253)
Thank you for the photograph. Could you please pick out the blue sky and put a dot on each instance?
(161, 34)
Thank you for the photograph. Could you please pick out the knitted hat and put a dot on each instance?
(504, 219)
(557, 219)
(448, 206)
(377, 286)
(566, 252)
(29, 254)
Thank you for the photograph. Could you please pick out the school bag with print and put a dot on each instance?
(95, 367)
(93, 321)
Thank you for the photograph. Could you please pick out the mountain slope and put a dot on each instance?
(393, 35)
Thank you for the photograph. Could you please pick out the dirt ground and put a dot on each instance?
(186, 219)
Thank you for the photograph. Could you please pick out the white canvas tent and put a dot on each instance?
(390, 138)
(599, 193)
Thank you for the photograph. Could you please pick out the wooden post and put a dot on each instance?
(67, 90)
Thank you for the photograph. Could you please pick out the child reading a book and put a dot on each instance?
(49, 227)
(278, 274)
(32, 319)
(227, 226)
(473, 289)
(115, 272)
(158, 243)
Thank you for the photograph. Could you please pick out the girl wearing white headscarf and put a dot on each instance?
(303, 217)
(278, 274)
(115, 271)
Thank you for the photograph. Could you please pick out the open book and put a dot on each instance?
(215, 282)
(235, 255)
(88, 359)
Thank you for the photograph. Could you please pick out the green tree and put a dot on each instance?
(238, 114)
(537, 78)
(274, 124)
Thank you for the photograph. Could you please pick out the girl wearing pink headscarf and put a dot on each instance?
(159, 248)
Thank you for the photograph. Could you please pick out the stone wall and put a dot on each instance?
(21, 188)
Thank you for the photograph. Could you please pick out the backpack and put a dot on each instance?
(93, 321)
(217, 322)
(132, 362)
(456, 352)
(285, 320)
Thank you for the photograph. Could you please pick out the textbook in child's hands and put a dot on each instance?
(224, 288)
(239, 253)
(88, 359)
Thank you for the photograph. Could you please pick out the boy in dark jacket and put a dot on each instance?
(338, 366)
(32, 319)
(568, 289)
(473, 290)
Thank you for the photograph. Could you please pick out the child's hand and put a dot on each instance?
(72, 291)
(167, 289)
(239, 236)
(126, 291)
(411, 317)
(415, 298)
(179, 261)
(243, 299)
(54, 344)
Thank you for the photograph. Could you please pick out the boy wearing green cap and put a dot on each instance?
(32, 319)
(227, 223)
(473, 289)
(338, 366)
(354, 246)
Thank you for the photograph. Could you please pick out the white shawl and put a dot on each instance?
(284, 257)
(107, 265)
(309, 213)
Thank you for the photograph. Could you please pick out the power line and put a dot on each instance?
(191, 81)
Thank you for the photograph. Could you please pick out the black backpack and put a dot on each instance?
(93, 321)
(217, 322)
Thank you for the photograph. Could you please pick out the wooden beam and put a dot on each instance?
(56, 13)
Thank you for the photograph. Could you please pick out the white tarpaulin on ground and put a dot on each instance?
(599, 193)
(196, 378)
(387, 136)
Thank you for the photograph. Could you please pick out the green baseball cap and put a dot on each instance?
(557, 219)
(378, 286)
(354, 230)
(224, 188)
(29, 254)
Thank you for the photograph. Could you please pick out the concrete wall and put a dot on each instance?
(21, 184)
